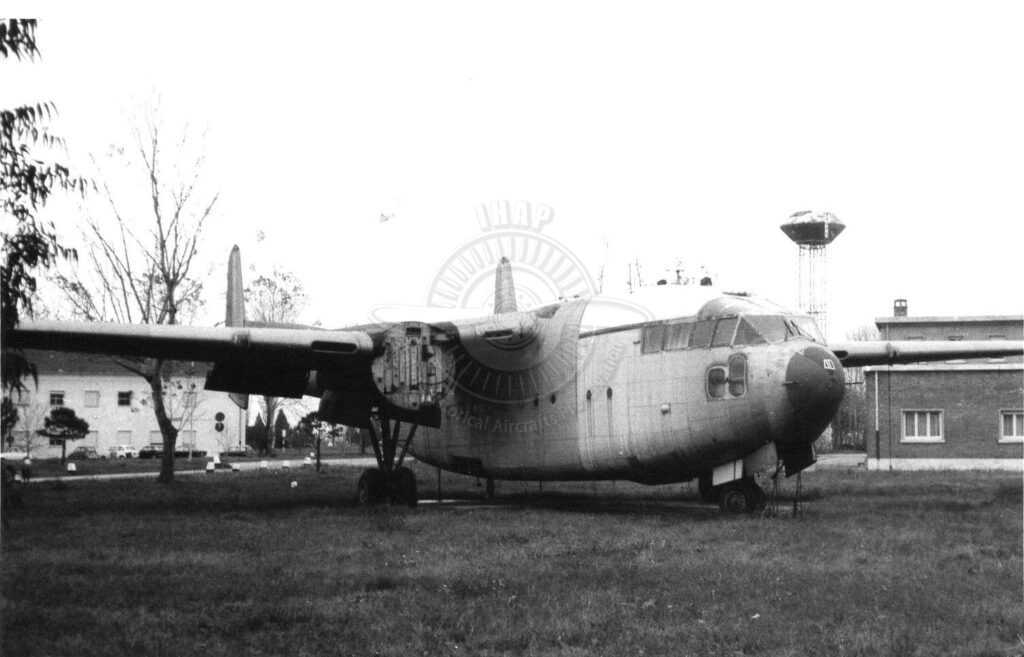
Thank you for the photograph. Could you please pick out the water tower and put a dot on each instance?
(813, 233)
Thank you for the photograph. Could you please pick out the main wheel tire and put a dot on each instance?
(371, 489)
(733, 499)
(404, 486)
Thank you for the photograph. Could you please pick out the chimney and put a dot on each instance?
(899, 308)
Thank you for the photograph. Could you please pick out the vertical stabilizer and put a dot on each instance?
(504, 290)
(235, 313)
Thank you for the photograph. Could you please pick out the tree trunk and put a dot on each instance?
(167, 428)
(271, 404)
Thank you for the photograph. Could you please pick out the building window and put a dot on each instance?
(922, 427)
(124, 398)
(92, 398)
(21, 397)
(190, 399)
(1012, 423)
(56, 398)
(124, 437)
(956, 338)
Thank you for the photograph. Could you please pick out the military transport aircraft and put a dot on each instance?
(697, 383)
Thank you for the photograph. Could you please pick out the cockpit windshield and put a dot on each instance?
(735, 331)
(772, 327)
(807, 328)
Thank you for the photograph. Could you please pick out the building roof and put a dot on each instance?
(952, 319)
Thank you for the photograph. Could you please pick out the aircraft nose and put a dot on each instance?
(815, 384)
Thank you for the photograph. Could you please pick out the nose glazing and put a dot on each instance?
(815, 384)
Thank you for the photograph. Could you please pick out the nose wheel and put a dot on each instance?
(390, 481)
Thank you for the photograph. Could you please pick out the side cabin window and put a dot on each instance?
(737, 375)
(731, 379)
(717, 382)
(652, 338)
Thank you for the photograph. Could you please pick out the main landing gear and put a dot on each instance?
(736, 497)
(389, 481)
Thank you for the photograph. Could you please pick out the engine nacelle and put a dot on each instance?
(413, 371)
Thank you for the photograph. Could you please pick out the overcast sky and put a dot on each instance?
(664, 132)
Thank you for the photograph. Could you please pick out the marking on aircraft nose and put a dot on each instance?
(828, 364)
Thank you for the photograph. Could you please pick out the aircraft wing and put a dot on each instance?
(300, 348)
(860, 354)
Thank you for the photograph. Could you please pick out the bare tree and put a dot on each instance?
(140, 250)
(24, 436)
(274, 300)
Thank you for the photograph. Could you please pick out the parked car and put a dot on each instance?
(123, 452)
(156, 451)
(152, 451)
(84, 454)
(239, 450)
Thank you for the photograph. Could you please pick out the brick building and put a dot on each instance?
(117, 404)
(956, 414)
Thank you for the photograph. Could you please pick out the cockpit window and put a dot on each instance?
(772, 327)
(677, 336)
(807, 328)
(701, 334)
(747, 334)
(652, 338)
(723, 333)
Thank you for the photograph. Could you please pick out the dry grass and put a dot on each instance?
(879, 564)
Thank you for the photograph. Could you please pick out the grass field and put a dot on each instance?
(248, 564)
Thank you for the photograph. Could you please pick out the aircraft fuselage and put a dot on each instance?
(652, 402)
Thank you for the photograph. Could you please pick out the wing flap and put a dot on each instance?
(860, 354)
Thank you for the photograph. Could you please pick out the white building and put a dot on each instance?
(118, 406)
